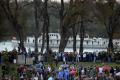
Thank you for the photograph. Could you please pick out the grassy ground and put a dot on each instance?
(11, 69)
(88, 64)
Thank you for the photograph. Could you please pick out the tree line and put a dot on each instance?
(74, 17)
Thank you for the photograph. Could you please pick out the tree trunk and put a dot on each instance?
(21, 44)
(19, 30)
(110, 44)
(74, 38)
(36, 26)
(61, 13)
(63, 42)
(43, 40)
(82, 33)
(46, 23)
(47, 33)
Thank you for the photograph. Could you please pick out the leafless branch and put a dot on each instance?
(78, 22)
(53, 6)
(16, 8)
(27, 4)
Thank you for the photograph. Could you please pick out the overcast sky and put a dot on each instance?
(60, 0)
(69, 0)
(64, 0)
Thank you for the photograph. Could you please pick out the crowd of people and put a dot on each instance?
(66, 71)
(86, 57)
(41, 71)
(63, 56)
(70, 72)
(10, 57)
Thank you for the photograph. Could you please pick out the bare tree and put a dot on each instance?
(46, 22)
(81, 11)
(63, 37)
(43, 38)
(12, 17)
(74, 38)
(74, 31)
(36, 25)
(66, 16)
(68, 19)
(38, 16)
(82, 35)
(108, 13)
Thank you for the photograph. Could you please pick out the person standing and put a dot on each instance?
(64, 58)
(35, 77)
(29, 52)
(79, 72)
(94, 57)
(56, 59)
(112, 72)
(40, 58)
(60, 75)
(51, 77)
(77, 57)
(66, 74)
(84, 57)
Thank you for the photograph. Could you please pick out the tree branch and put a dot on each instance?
(87, 20)
(27, 4)
(55, 7)
(16, 8)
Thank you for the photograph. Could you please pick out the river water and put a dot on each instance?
(9, 46)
